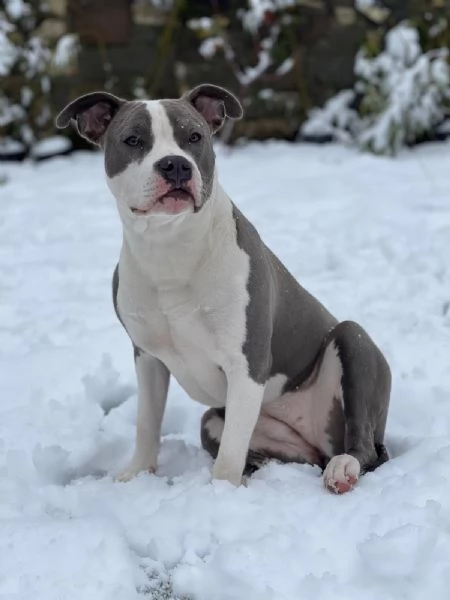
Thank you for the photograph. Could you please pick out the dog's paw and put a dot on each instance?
(341, 473)
(223, 474)
(132, 471)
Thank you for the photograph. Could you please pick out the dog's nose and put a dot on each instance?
(175, 169)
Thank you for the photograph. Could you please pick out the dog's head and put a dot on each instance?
(159, 157)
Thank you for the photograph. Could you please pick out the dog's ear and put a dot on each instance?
(214, 104)
(92, 114)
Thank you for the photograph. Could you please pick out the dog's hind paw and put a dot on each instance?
(341, 473)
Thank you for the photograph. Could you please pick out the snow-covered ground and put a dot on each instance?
(371, 238)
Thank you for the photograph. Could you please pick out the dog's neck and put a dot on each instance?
(170, 250)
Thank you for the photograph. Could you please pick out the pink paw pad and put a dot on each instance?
(341, 473)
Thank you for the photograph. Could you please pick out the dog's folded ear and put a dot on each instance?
(214, 104)
(92, 114)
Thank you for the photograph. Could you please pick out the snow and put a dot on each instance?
(444, 128)
(202, 24)
(8, 52)
(334, 119)
(9, 112)
(257, 9)
(250, 74)
(61, 558)
(365, 4)
(373, 10)
(209, 47)
(162, 4)
(52, 145)
(36, 55)
(17, 9)
(66, 49)
(8, 145)
(403, 45)
(369, 236)
(285, 66)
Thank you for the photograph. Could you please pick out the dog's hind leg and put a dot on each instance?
(366, 386)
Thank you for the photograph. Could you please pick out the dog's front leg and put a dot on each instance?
(153, 384)
(243, 405)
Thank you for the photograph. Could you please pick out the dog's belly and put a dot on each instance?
(306, 424)
(298, 427)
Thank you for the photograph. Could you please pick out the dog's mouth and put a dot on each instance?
(173, 202)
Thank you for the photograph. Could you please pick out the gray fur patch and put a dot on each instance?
(210, 444)
(115, 288)
(185, 121)
(286, 326)
(366, 386)
(133, 119)
(336, 427)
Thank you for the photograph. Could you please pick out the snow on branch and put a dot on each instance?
(402, 95)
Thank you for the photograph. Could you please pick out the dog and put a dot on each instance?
(202, 298)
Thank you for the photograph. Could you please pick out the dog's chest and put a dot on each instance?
(195, 328)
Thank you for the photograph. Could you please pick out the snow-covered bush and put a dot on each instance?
(26, 62)
(336, 120)
(402, 95)
(266, 22)
(404, 91)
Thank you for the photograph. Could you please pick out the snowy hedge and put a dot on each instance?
(26, 64)
(280, 56)
(266, 21)
(401, 96)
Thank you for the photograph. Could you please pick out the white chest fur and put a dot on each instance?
(183, 299)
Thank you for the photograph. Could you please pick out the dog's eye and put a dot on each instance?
(133, 140)
(194, 138)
